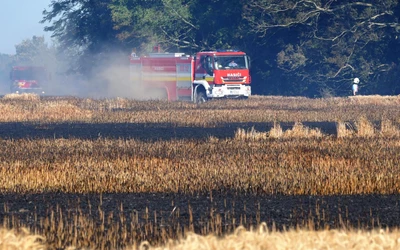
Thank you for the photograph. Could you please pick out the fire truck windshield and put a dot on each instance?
(230, 62)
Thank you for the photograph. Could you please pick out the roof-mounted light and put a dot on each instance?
(227, 50)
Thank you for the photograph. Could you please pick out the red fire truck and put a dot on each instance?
(206, 75)
(28, 79)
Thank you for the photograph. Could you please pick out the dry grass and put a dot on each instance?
(300, 131)
(375, 99)
(211, 114)
(24, 96)
(344, 129)
(276, 131)
(261, 238)
(26, 110)
(364, 127)
(252, 135)
(388, 129)
(292, 239)
(22, 240)
(287, 166)
(297, 131)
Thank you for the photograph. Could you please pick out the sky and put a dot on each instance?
(19, 20)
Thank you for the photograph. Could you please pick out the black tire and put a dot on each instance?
(201, 97)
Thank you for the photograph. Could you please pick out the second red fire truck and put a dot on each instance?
(206, 75)
(28, 79)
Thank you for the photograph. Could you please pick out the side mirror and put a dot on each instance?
(248, 61)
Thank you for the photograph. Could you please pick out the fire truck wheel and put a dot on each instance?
(201, 97)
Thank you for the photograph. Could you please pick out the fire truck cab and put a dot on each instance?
(206, 75)
(28, 79)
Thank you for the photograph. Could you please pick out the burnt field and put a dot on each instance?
(115, 172)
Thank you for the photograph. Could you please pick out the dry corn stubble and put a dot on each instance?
(292, 239)
(24, 97)
(256, 109)
(293, 162)
(295, 165)
(242, 238)
(388, 129)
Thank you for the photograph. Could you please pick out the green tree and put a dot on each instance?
(34, 51)
(96, 28)
(84, 27)
(191, 25)
(323, 44)
(142, 24)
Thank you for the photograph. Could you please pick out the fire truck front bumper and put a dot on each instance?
(229, 91)
(27, 90)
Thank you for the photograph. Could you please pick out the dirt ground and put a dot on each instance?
(148, 131)
(284, 211)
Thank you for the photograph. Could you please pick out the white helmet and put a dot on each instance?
(356, 80)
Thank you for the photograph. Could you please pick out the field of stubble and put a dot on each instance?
(114, 173)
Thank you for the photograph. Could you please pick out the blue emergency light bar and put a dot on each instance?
(227, 50)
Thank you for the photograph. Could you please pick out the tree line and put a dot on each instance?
(310, 48)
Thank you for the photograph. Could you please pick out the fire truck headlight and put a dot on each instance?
(219, 91)
(248, 90)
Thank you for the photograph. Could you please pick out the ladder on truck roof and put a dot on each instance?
(167, 55)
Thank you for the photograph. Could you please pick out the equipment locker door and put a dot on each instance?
(183, 80)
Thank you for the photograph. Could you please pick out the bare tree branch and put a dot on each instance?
(333, 35)
(312, 9)
(173, 10)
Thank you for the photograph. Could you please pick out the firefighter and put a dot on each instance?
(133, 54)
(232, 64)
(356, 81)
